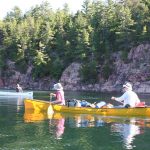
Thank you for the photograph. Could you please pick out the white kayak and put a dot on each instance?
(15, 94)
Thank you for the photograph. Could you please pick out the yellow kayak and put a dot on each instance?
(42, 107)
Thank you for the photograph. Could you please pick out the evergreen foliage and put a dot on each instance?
(51, 40)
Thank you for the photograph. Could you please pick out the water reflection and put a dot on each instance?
(85, 120)
(13, 101)
(57, 124)
(126, 128)
(19, 103)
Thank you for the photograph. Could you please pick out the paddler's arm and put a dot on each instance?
(119, 99)
(56, 102)
(52, 94)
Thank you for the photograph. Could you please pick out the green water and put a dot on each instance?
(70, 131)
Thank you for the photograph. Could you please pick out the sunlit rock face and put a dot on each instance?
(135, 69)
(70, 77)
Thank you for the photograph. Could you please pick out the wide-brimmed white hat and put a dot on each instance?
(58, 87)
(127, 86)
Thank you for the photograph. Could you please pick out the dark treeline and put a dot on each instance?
(50, 40)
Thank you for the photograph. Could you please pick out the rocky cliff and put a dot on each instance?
(135, 69)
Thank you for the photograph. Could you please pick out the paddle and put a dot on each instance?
(50, 108)
(50, 97)
(119, 101)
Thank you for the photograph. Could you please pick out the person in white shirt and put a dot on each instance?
(18, 88)
(129, 98)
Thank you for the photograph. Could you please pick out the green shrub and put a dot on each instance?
(107, 70)
(88, 73)
(21, 65)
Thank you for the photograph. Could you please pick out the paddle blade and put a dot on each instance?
(50, 110)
